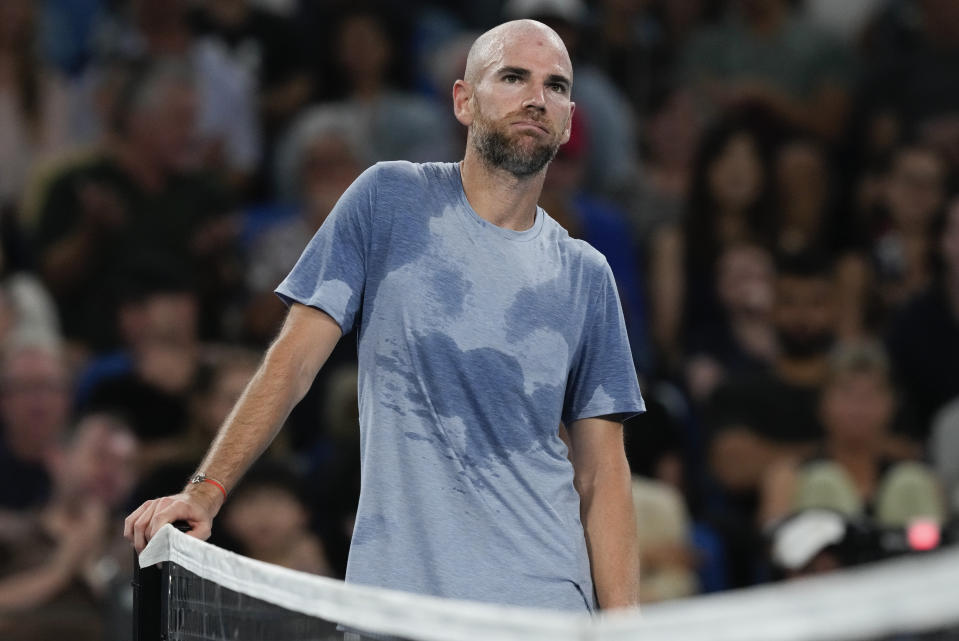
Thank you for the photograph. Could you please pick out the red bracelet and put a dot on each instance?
(203, 478)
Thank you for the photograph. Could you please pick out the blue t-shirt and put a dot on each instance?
(475, 341)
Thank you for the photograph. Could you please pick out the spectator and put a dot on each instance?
(637, 44)
(909, 89)
(743, 343)
(223, 375)
(226, 125)
(924, 336)
(59, 567)
(152, 384)
(729, 202)
(322, 154)
(766, 55)
(139, 198)
(852, 472)
(397, 124)
(667, 558)
(757, 420)
(265, 45)
(808, 221)
(34, 101)
(754, 421)
(901, 239)
(268, 518)
(35, 410)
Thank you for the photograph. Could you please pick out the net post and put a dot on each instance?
(149, 597)
(146, 602)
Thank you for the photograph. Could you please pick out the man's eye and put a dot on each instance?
(558, 87)
(511, 78)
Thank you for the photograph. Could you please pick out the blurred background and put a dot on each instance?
(772, 182)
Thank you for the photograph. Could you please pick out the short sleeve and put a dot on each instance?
(330, 274)
(602, 380)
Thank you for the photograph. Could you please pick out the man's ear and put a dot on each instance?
(569, 124)
(462, 102)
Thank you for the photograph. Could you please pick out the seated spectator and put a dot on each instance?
(728, 202)
(223, 373)
(924, 337)
(744, 341)
(59, 567)
(852, 473)
(139, 198)
(322, 154)
(807, 221)
(398, 125)
(35, 403)
(265, 44)
(34, 101)
(913, 192)
(767, 56)
(150, 383)
(268, 519)
(908, 86)
(667, 558)
(757, 420)
(814, 542)
(226, 128)
(637, 44)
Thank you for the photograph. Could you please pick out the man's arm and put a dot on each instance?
(603, 481)
(283, 378)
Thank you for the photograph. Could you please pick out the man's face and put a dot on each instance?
(34, 401)
(100, 462)
(804, 315)
(521, 105)
(165, 130)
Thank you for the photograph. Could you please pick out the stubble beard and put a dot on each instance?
(501, 151)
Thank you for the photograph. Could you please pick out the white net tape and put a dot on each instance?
(906, 595)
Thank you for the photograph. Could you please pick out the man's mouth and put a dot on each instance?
(531, 124)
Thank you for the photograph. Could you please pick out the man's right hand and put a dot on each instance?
(197, 505)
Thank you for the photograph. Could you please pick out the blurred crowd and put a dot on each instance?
(772, 182)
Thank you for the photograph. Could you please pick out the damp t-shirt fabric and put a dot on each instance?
(475, 341)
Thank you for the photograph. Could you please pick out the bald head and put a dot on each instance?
(490, 46)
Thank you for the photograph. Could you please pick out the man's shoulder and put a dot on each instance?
(407, 180)
(404, 170)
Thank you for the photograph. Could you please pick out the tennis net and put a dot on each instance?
(201, 592)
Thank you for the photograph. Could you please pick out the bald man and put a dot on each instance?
(494, 364)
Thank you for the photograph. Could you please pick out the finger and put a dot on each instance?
(140, 537)
(130, 520)
(200, 530)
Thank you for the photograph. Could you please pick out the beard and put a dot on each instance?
(509, 153)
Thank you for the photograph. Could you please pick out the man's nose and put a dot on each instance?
(535, 98)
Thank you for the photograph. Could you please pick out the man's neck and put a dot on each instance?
(498, 196)
(807, 372)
